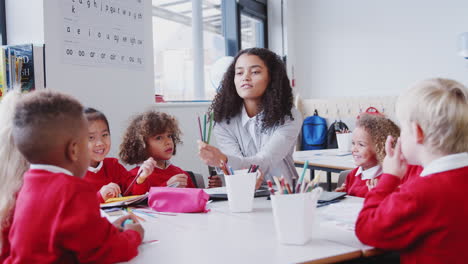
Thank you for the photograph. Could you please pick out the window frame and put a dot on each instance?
(256, 9)
(3, 32)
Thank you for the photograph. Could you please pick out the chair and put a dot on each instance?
(197, 179)
(342, 177)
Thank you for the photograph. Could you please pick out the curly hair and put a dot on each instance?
(378, 127)
(276, 102)
(143, 126)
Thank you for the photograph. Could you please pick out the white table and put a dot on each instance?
(329, 160)
(224, 237)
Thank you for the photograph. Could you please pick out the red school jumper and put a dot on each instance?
(57, 220)
(355, 186)
(112, 171)
(159, 178)
(425, 219)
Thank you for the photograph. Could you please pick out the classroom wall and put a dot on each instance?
(374, 48)
(118, 92)
(24, 21)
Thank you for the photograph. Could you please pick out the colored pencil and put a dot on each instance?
(199, 126)
(204, 127)
(131, 184)
(210, 127)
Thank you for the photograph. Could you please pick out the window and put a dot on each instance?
(253, 23)
(181, 34)
(3, 36)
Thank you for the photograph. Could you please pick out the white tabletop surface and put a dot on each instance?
(220, 236)
(326, 157)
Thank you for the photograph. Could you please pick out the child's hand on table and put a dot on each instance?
(110, 190)
(135, 225)
(180, 178)
(342, 188)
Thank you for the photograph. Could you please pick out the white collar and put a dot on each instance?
(51, 168)
(167, 164)
(245, 117)
(446, 163)
(97, 169)
(370, 173)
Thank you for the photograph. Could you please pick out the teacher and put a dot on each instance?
(256, 121)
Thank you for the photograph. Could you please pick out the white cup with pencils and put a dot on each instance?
(240, 188)
(294, 216)
(344, 141)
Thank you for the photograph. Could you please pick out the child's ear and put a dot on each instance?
(72, 150)
(418, 133)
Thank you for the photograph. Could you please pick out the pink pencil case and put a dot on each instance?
(178, 200)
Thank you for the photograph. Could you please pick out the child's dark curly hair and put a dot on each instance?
(379, 128)
(143, 126)
(277, 101)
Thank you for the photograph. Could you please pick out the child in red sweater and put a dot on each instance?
(154, 135)
(12, 167)
(368, 149)
(57, 217)
(108, 176)
(424, 218)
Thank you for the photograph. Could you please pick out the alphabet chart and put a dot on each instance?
(107, 33)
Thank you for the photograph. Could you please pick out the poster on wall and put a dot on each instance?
(107, 33)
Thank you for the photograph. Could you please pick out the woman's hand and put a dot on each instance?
(110, 190)
(214, 181)
(180, 178)
(259, 179)
(394, 162)
(146, 169)
(210, 155)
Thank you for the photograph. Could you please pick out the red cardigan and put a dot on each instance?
(425, 219)
(57, 220)
(159, 178)
(112, 171)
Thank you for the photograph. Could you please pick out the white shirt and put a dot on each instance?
(250, 124)
(446, 163)
(370, 173)
(98, 168)
(272, 149)
(51, 168)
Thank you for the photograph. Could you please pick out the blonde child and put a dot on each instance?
(368, 149)
(106, 174)
(12, 167)
(154, 135)
(425, 219)
(57, 217)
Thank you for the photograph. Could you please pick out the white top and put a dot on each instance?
(251, 125)
(51, 168)
(272, 150)
(446, 163)
(370, 173)
(98, 168)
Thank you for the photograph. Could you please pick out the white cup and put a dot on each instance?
(344, 141)
(240, 191)
(294, 216)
